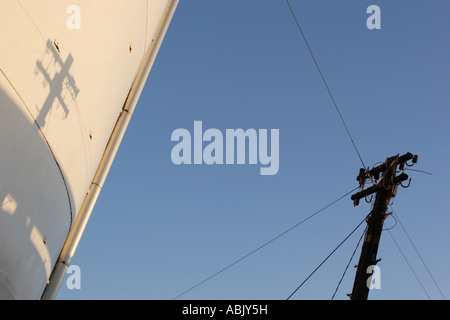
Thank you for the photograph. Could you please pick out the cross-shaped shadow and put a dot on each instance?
(61, 83)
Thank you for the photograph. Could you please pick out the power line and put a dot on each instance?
(264, 245)
(317, 268)
(325, 82)
(417, 251)
(349, 261)
(409, 265)
(422, 171)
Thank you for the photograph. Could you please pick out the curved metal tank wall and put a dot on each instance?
(66, 68)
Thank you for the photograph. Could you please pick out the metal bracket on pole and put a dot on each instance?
(374, 175)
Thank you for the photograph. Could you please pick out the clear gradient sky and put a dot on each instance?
(159, 229)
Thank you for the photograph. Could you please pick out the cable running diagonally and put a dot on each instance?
(348, 264)
(326, 84)
(409, 265)
(317, 268)
(417, 251)
(265, 244)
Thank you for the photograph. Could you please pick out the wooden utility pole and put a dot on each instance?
(385, 188)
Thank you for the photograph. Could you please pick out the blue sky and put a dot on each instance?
(158, 229)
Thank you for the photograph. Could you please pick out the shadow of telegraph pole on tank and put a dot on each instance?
(61, 83)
